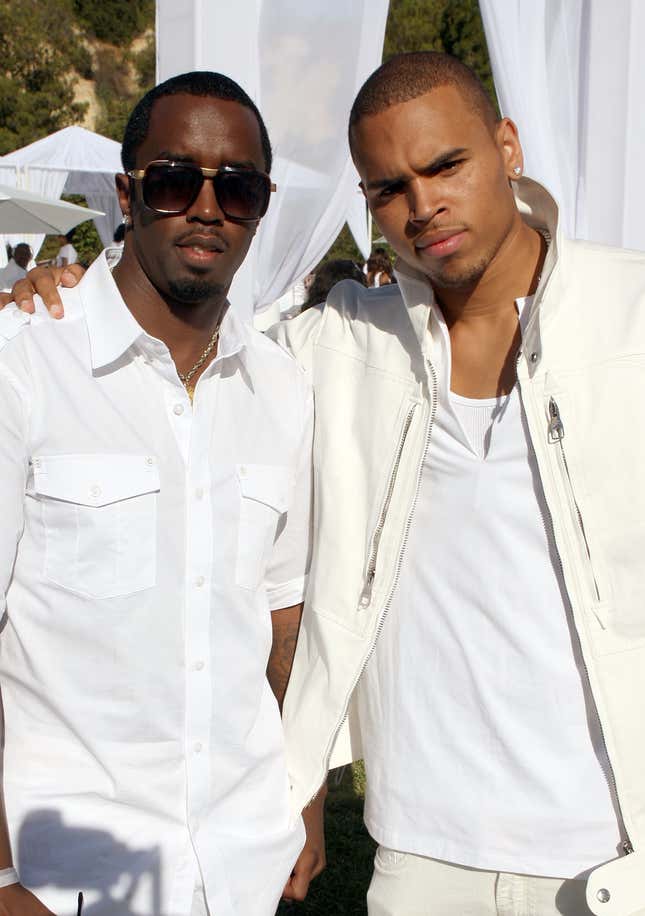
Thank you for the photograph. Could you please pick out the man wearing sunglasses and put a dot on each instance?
(155, 465)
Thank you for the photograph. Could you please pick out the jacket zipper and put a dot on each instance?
(556, 435)
(366, 594)
(406, 532)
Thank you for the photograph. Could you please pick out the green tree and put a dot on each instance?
(38, 57)
(413, 25)
(440, 25)
(115, 21)
(86, 239)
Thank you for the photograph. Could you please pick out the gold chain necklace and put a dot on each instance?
(185, 377)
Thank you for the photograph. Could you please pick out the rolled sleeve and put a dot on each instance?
(286, 577)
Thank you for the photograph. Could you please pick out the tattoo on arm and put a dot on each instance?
(286, 624)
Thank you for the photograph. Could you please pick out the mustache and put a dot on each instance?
(207, 238)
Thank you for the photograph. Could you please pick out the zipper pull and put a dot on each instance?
(556, 426)
(627, 847)
(366, 594)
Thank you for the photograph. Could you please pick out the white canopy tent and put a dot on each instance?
(302, 63)
(571, 76)
(71, 161)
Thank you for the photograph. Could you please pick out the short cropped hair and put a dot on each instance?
(201, 83)
(407, 76)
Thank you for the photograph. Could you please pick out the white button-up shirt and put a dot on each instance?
(144, 542)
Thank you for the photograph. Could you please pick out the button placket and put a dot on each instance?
(199, 552)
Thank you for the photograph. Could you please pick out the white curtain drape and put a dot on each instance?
(570, 74)
(302, 63)
(359, 222)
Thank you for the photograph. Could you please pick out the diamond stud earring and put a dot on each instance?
(517, 170)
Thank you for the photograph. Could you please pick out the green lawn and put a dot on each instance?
(341, 889)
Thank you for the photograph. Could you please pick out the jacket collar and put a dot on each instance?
(113, 329)
(539, 210)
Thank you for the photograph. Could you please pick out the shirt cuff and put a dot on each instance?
(287, 593)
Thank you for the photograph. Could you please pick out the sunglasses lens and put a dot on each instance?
(243, 194)
(171, 188)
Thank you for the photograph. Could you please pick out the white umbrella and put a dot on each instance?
(22, 211)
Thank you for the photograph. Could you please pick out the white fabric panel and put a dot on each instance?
(71, 161)
(570, 76)
(359, 222)
(302, 63)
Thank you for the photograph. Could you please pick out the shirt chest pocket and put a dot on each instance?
(100, 518)
(265, 493)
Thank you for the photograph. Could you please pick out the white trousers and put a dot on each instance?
(409, 885)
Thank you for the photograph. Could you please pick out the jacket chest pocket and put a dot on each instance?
(265, 493)
(100, 518)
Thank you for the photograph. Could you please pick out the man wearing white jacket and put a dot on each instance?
(476, 593)
(476, 598)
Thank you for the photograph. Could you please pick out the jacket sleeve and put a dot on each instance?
(298, 335)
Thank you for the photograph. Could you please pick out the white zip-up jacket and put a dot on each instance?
(581, 377)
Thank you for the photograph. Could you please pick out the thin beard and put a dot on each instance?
(194, 292)
(464, 280)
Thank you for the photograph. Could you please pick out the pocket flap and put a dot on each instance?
(94, 480)
(270, 484)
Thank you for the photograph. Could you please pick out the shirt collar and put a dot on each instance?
(111, 326)
(113, 329)
(538, 209)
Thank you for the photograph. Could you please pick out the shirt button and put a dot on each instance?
(197, 747)
(199, 493)
(150, 461)
(199, 581)
(242, 471)
(95, 490)
(199, 665)
(178, 409)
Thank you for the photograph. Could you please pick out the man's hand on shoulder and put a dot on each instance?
(16, 900)
(312, 860)
(44, 282)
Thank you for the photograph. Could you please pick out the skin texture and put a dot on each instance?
(312, 860)
(437, 181)
(174, 275)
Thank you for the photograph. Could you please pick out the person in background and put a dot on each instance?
(379, 270)
(67, 254)
(327, 275)
(16, 269)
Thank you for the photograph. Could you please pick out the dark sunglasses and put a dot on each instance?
(172, 187)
